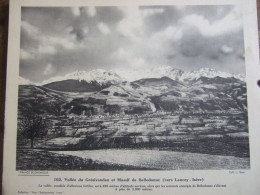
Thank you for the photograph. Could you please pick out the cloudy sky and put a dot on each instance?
(57, 41)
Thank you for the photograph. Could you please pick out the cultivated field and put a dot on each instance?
(214, 134)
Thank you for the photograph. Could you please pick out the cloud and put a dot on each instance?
(75, 11)
(133, 37)
(78, 31)
(229, 24)
(24, 55)
(30, 29)
(121, 53)
(170, 33)
(226, 49)
(193, 44)
(47, 49)
(142, 48)
(67, 42)
(138, 63)
(91, 11)
(48, 69)
(180, 7)
(103, 28)
(220, 11)
(149, 12)
(46, 44)
(131, 60)
(85, 30)
(132, 23)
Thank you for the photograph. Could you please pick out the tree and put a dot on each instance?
(150, 135)
(33, 126)
(134, 135)
(167, 132)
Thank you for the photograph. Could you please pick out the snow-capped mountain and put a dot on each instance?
(176, 74)
(158, 72)
(209, 90)
(102, 77)
(23, 81)
(99, 75)
(209, 73)
(168, 71)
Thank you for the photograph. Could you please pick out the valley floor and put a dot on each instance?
(125, 159)
(34, 159)
(191, 141)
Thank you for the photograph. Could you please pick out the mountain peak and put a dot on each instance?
(102, 76)
(99, 75)
(209, 73)
(157, 72)
(202, 69)
(23, 81)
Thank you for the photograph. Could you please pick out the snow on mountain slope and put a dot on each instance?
(103, 77)
(209, 73)
(158, 72)
(175, 74)
(99, 75)
(144, 95)
(167, 71)
(23, 81)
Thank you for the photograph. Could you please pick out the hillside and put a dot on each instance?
(205, 90)
(76, 86)
(83, 81)
(39, 100)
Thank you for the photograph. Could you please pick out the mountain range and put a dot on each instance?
(102, 77)
(160, 89)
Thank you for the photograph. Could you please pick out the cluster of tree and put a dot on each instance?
(32, 126)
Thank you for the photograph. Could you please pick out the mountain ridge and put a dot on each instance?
(102, 77)
(138, 97)
(99, 75)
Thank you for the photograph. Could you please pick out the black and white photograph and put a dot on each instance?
(132, 88)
